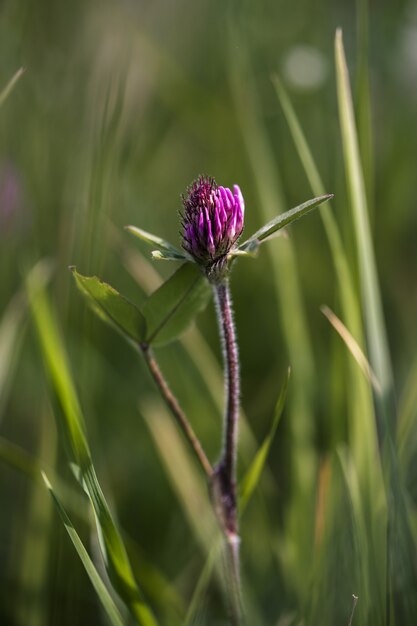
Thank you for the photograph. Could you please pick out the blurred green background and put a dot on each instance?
(121, 106)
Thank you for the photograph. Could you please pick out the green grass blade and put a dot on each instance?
(362, 423)
(111, 306)
(10, 334)
(407, 423)
(157, 586)
(353, 347)
(57, 366)
(363, 101)
(402, 574)
(253, 475)
(361, 545)
(202, 585)
(289, 296)
(187, 483)
(345, 282)
(58, 369)
(7, 90)
(114, 552)
(106, 600)
(376, 334)
(31, 467)
(35, 545)
(361, 414)
(172, 307)
(190, 488)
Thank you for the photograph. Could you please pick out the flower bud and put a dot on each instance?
(212, 220)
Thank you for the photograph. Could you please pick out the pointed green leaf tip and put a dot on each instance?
(279, 222)
(253, 475)
(111, 306)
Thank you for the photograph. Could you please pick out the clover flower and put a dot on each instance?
(212, 221)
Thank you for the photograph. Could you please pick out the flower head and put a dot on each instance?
(212, 220)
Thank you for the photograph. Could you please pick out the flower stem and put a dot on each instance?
(224, 477)
(176, 410)
(226, 469)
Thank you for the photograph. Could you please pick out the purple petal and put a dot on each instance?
(230, 198)
(218, 228)
(231, 229)
(201, 224)
(239, 199)
(210, 241)
(223, 206)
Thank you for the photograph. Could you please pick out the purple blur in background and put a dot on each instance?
(13, 213)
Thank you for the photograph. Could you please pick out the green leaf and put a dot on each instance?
(7, 90)
(253, 475)
(165, 249)
(111, 306)
(106, 600)
(281, 221)
(172, 307)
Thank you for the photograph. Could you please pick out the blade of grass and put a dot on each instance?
(376, 334)
(35, 545)
(354, 603)
(353, 347)
(202, 585)
(254, 472)
(186, 481)
(7, 90)
(157, 586)
(20, 460)
(407, 423)
(292, 312)
(402, 569)
(57, 366)
(72, 422)
(190, 489)
(363, 101)
(345, 282)
(362, 548)
(362, 418)
(10, 338)
(361, 423)
(106, 600)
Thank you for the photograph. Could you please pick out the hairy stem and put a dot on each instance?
(176, 410)
(226, 469)
(224, 477)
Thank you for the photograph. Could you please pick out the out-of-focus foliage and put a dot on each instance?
(121, 106)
